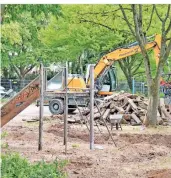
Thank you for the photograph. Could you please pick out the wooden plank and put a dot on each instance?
(136, 119)
(106, 114)
(120, 109)
(107, 98)
(128, 108)
(132, 104)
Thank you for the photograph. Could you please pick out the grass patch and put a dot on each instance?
(15, 166)
(75, 145)
(4, 134)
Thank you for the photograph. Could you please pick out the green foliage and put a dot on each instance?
(12, 11)
(4, 145)
(80, 33)
(72, 39)
(14, 165)
(4, 134)
(20, 28)
(75, 145)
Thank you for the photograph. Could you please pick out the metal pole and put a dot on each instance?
(10, 82)
(91, 107)
(66, 108)
(45, 78)
(143, 87)
(41, 107)
(133, 86)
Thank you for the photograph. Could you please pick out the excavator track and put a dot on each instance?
(21, 101)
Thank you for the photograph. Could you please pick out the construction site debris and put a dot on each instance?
(132, 107)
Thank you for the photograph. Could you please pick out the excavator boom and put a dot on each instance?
(121, 53)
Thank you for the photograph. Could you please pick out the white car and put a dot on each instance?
(4, 93)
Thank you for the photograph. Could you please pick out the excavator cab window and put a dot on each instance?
(109, 80)
(113, 79)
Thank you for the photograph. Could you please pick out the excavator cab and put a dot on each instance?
(108, 82)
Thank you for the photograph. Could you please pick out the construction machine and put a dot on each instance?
(105, 83)
(104, 73)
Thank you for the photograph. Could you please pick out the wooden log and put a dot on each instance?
(107, 98)
(107, 104)
(125, 104)
(106, 114)
(72, 120)
(142, 105)
(120, 109)
(138, 99)
(128, 108)
(112, 105)
(163, 116)
(136, 119)
(133, 105)
(86, 112)
(159, 120)
(163, 109)
(142, 118)
(112, 110)
(97, 115)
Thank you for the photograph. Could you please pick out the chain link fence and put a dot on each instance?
(15, 85)
(137, 87)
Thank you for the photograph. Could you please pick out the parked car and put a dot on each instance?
(4, 93)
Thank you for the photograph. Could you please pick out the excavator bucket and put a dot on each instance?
(19, 102)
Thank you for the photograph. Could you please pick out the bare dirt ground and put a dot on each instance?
(139, 153)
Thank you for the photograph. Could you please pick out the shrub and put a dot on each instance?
(14, 166)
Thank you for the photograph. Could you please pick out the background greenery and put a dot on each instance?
(80, 34)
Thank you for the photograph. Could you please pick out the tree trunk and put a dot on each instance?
(153, 104)
(22, 82)
(129, 80)
(5, 72)
(127, 72)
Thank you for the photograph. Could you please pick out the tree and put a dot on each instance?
(107, 16)
(20, 31)
(139, 32)
(130, 67)
(77, 41)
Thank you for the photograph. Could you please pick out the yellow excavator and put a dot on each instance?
(107, 60)
(104, 74)
(105, 83)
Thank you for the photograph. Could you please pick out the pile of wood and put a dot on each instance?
(132, 107)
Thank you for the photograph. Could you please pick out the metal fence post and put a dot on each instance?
(66, 108)
(143, 88)
(10, 83)
(133, 85)
(91, 107)
(41, 106)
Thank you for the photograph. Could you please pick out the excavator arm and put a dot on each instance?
(121, 53)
